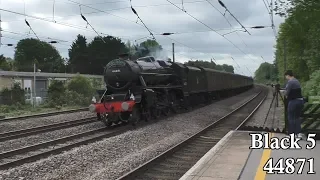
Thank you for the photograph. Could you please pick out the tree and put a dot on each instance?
(149, 48)
(4, 63)
(78, 55)
(131, 48)
(211, 65)
(300, 33)
(266, 73)
(102, 52)
(29, 51)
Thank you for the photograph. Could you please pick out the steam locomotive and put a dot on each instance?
(148, 88)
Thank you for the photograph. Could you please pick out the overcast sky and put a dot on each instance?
(114, 17)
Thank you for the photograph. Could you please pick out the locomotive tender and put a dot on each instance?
(148, 88)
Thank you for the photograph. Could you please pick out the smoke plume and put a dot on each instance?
(159, 54)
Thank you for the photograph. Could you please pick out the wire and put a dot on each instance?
(135, 12)
(60, 23)
(25, 20)
(208, 27)
(53, 10)
(229, 24)
(72, 26)
(0, 27)
(272, 22)
(224, 6)
(110, 14)
(85, 19)
(25, 35)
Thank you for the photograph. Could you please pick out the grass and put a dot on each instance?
(23, 110)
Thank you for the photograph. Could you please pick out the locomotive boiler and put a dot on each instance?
(148, 88)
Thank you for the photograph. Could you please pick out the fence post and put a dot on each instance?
(286, 114)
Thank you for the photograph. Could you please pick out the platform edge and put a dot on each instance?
(205, 159)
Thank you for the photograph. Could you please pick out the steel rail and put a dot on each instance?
(89, 137)
(47, 128)
(166, 165)
(43, 114)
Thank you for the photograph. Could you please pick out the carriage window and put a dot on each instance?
(152, 59)
(148, 60)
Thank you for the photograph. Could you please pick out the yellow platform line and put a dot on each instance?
(261, 174)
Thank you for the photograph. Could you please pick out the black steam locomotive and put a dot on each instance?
(148, 88)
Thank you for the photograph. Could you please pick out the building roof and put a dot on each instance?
(44, 74)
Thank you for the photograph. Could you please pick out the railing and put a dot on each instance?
(311, 115)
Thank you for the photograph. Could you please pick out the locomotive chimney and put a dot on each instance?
(124, 56)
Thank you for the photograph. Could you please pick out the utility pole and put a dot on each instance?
(0, 28)
(285, 68)
(285, 56)
(34, 84)
(173, 60)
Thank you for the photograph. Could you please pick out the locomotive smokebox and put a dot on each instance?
(119, 73)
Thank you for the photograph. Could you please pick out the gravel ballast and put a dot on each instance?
(41, 121)
(48, 136)
(112, 157)
(275, 116)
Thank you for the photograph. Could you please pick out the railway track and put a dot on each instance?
(34, 152)
(173, 163)
(47, 128)
(43, 114)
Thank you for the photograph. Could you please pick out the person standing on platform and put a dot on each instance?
(295, 104)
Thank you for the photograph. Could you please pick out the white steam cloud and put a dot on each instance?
(159, 55)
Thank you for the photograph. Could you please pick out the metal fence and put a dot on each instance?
(41, 96)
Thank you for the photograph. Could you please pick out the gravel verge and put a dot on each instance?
(47, 136)
(110, 158)
(275, 116)
(40, 121)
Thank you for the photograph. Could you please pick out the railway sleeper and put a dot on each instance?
(153, 174)
(168, 170)
(185, 157)
(173, 166)
(200, 144)
(188, 153)
(168, 162)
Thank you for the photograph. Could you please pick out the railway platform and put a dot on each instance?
(232, 159)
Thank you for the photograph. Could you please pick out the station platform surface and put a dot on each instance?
(232, 159)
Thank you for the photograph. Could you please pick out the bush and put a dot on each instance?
(79, 91)
(14, 95)
(75, 98)
(81, 85)
(312, 87)
(56, 93)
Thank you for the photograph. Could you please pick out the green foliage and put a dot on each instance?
(266, 73)
(78, 55)
(15, 95)
(56, 93)
(12, 108)
(90, 58)
(312, 87)
(81, 85)
(75, 98)
(96, 83)
(211, 65)
(78, 91)
(5, 64)
(299, 37)
(46, 57)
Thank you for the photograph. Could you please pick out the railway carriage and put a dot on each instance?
(147, 88)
